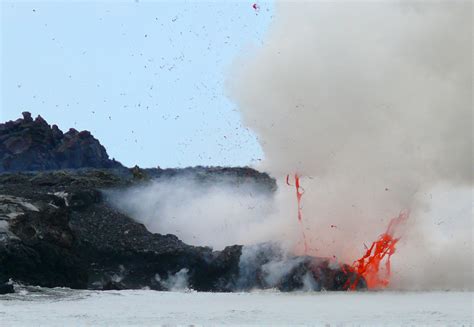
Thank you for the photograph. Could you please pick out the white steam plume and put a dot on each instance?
(373, 101)
(176, 282)
(218, 214)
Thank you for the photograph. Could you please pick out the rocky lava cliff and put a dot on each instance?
(58, 229)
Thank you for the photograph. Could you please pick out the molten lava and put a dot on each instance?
(299, 195)
(369, 265)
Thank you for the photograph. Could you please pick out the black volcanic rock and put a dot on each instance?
(57, 229)
(6, 288)
(29, 145)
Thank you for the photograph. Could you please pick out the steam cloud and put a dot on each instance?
(217, 214)
(372, 102)
(176, 282)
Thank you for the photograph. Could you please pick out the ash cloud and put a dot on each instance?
(372, 103)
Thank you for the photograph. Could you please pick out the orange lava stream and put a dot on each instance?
(299, 195)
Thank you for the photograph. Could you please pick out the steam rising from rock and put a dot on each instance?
(213, 214)
(176, 282)
(373, 101)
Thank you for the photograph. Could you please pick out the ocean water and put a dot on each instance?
(35, 306)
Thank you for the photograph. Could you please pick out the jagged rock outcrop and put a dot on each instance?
(29, 145)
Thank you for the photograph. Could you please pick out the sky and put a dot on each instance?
(147, 78)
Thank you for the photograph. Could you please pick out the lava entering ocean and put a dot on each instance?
(368, 266)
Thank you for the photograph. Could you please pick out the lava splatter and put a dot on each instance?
(368, 266)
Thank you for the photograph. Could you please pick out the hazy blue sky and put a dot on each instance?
(146, 77)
